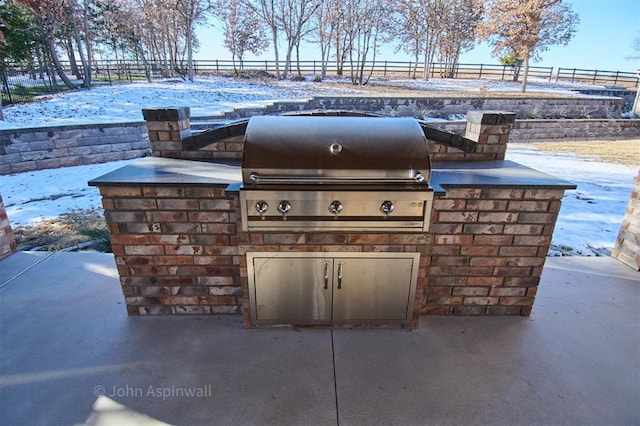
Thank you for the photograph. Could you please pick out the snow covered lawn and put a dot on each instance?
(591, 215)
(214, 95)
(588, 221)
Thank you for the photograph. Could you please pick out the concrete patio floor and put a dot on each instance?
(70, 355)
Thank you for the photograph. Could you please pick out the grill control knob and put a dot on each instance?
(262, 207)
(284, 207)
(335, 207)
(387, 207)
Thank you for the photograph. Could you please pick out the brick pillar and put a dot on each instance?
(490, 129)
(627, 248)
(7, 240)
(167, 128)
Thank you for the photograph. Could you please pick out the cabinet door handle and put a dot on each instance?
(340, 276)
(326, 275)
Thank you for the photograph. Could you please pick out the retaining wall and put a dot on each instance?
(23, 150)
(524, 108)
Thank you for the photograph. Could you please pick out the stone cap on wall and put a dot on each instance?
(166, 114)
(490, 117)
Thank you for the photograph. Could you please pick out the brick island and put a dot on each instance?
(174, 222)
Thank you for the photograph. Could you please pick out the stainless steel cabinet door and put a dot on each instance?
(291, 290)
(378, 289)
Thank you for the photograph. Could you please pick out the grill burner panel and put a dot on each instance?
(397, 211)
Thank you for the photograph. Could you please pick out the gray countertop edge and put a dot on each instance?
(155, 171)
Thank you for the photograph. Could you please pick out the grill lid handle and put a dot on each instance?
(255, 178)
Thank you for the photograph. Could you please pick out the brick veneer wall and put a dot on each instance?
(489, 247)
(169, 133)
(7, 240)
(179, 249)
(490, 130)
(176, 248)
(24, 150)
(627, 247)
(483, 254)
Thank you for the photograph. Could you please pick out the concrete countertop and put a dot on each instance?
(168, 171)
(475, 174)
(491, 174)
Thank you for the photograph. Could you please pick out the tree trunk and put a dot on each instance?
(425, 73)
(517, 66)
(145, 63)
(56, 62)
(298, 58)
(89, 65)
(233, 63)
(324, 56)
(72, 59)
(86, 69)
(274, 33)
(190, 72)
(526, 72)
(287, 61)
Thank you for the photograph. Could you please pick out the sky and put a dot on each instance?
(602, 41)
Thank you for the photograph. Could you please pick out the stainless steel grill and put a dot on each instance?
(314, 173)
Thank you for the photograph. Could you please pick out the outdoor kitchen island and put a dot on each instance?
(177, 234)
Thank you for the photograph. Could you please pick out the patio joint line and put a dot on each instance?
(335, 381)
(10, 280)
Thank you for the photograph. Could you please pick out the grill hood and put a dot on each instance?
(334, 150)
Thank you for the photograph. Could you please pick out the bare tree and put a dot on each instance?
(366, 26)
(268, 12)
(155, 33)
(410, 29)
(459, 33)
(294, 17)
(51, 14)
(528, 27)
(419, 25)
(192, 12)
(325, 26)
(79, 18)
(432, 12)
(243, 29)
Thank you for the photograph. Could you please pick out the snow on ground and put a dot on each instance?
(214, 95)
(32, 197)
(589, 219)
(591, 215)
(124, 102)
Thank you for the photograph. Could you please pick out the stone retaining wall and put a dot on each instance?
(577, 129)
(524, 108)
(23, 150)
(30, 149)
